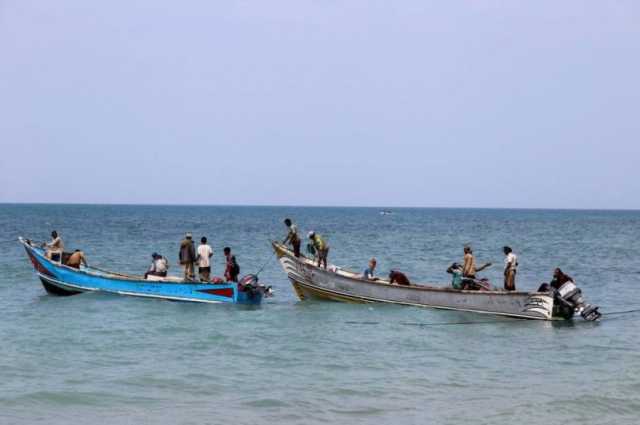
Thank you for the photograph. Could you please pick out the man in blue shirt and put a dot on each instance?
(456, 279)
(369, 272)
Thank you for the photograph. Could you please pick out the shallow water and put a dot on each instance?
(120, 360)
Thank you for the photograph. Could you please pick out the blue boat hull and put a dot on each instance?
(58, 279)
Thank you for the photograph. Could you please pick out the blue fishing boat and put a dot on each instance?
(59, 279)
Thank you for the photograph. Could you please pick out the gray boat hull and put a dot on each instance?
(310, 281)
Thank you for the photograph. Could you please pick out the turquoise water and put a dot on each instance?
(119, 360)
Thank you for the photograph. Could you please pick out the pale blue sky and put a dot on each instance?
(323, 102)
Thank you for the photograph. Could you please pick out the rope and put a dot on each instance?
(131, 277)
(263, 266)
(10, 240)
(438, 323)
(621, 312)
(613, 313)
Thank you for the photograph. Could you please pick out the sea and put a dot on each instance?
(105, 359)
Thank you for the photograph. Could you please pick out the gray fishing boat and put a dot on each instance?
(310, 281)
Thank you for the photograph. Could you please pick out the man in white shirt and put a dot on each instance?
(510, 268)
(203, 258)
(159, 266)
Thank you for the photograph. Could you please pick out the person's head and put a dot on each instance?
(507, 250)
(455, 266)
(54, 234)
(392, 273)
(557, 272)
(372, 263)
(188, 235)
(287, 222)
(312, 234)
(77, 250)
(155, 255)
(467, 249)
(203, 239)
(226, 250)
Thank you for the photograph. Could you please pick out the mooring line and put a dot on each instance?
(436, 323)
(621, 312)
(613, 313)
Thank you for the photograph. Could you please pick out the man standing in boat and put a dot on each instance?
(469, 269)
(321, 247)
(292, 237)
(510, 268)
(187, 256)
(232, 269)
(205, 252)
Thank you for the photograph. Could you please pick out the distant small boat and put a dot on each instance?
(386, 212)
(59, 279)
(310, 281)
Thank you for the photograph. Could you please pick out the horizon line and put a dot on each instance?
(124, 204)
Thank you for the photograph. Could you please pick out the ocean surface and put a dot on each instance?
(107, 359)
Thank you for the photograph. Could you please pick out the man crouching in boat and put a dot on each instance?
(455, 270)
(159, 266)
(76, 259)
(568, 298)
(321, 247)
(398, 278)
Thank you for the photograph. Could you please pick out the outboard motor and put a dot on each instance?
(569, 300)
(250, 285)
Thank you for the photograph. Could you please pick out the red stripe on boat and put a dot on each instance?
(39, 267)
(223, 292)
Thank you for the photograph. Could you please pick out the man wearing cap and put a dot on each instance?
(159, 266)
(187, 256)
(321, 247)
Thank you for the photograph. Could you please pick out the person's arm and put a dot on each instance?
(83, 259)
(479, 269)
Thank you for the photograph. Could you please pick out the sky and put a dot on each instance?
(503, 104)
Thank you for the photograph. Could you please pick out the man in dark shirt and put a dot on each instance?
(292, 236)
(232, 269)
(187, 256)
(559, 279)
(398, 278)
